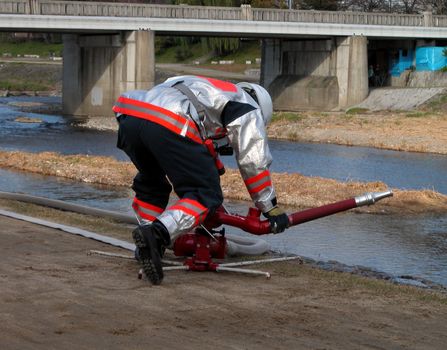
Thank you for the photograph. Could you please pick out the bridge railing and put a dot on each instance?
(337, 17)
(81, 8)
(73, 8)
(440, 21)
(245, 12)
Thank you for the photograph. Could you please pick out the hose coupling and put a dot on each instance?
(372, 197)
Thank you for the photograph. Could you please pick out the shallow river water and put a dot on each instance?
(398, 245)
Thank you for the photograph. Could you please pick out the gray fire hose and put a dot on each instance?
(237, 245)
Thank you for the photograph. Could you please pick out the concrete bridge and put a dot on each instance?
(321, 57)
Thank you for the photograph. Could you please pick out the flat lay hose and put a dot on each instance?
(237, 245)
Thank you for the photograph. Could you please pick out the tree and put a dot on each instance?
(439, 7)
(323, 5)
(367, 5)
(410, 6)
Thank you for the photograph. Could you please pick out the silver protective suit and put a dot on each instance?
(246, 134)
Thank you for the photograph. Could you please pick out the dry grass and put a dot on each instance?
(386, 130)
(292, 189)
(90, 169)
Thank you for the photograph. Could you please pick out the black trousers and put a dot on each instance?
(160, 154)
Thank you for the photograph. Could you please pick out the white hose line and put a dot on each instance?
(72, 230)
(237, 245)
(76, 208)
(112, 255)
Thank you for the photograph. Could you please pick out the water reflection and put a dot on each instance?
(402, 170)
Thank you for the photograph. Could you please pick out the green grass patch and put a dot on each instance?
(357, 110)
(417, 114)
(287, 116)
(166, 56)
(437, 103)
(23, 86)
(248, 51)
(177, 54)
(30, 48)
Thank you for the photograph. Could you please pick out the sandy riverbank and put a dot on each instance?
(55, 295)
(415, 131)
(410, 131)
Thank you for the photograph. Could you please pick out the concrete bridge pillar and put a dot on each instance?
(271, 62)
(352, 70)
(315, 73)
(98, 68)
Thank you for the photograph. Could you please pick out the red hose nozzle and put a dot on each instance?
(253, 224)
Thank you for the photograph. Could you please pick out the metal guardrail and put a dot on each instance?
(245, 12)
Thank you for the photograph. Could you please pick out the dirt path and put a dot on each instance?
(56, 296)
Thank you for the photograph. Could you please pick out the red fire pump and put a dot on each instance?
(206, 243)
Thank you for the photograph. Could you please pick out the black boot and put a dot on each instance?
(151, 241)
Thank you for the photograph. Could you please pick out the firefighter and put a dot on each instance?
(166, 132)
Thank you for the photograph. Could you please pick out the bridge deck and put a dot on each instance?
(77, 16)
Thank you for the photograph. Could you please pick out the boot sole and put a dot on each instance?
(147, 259)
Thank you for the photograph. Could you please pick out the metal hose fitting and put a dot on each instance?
(372, 197)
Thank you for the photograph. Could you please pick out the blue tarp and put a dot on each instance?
(405, 61)
(430, 58)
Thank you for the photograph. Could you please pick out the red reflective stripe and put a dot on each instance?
(160, 121)
(198, 212)
(150, 117)
(146, 215)
(220, 84)
(153, 107)
(186, 211)
(260, 187)
(193, 202)
(257, 177)
(194, 137)
(147, 206)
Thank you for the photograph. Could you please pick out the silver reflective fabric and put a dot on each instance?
(246, 134)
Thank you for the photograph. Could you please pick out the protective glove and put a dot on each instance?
(279, 220)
